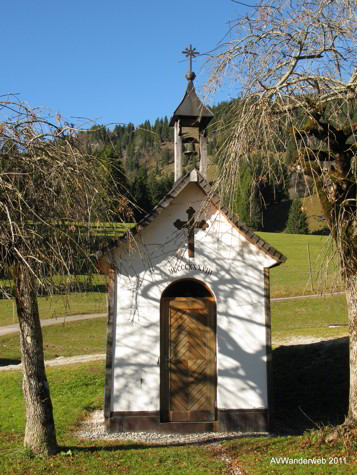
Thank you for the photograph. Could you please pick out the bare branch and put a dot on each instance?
(294, 66)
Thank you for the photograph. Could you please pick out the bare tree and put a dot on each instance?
(294, 63)
(49, 191)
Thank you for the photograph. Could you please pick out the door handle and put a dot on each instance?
(167, 360)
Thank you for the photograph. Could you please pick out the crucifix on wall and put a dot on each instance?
(191, 225)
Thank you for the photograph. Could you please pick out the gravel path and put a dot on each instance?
(60, 361)
(313, 296)
(45, 322)
(93, 428)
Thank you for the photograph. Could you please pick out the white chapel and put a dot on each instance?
(189, 324)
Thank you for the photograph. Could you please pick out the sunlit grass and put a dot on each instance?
(77, 390)
(311, 267)
(310, 317)
(303, 377)
(58, 306)
(68, 339)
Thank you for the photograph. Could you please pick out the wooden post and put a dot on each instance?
(268, 336)
(178, 151)
(203, 155)
(310, 268)
(110, 342)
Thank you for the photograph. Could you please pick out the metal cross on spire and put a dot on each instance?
(190, 53)
(191, 225)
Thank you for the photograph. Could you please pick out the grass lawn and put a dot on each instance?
(303, 377)
(263, 455)
(311, 267)
(76, 390)
(310, 317)
(69, 339)
(58, 306)
(85, 280)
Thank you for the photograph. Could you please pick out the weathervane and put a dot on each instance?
(190, 53)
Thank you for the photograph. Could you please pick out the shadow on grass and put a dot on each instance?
(321, 232)
(92, 449)
(126, 445)
(8, 361)
(310, 385)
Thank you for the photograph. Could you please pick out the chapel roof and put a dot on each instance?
(196, 177)
(191, 112)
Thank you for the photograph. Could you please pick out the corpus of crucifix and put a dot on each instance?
(189, 324)
(191, 224)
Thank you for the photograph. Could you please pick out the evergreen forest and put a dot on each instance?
(141, 159)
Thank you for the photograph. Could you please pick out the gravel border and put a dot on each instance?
(93, 428)
(60, 361)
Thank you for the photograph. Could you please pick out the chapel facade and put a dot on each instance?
(189, 324)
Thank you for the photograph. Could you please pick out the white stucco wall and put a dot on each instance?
(230, 266)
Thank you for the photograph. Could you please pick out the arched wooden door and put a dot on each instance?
(188, 359)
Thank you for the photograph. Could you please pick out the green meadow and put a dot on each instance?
(311, 266)
(322, 317)
(305, 411)
(310, 384)
(86, 337)
(77, 390)
(76, 303)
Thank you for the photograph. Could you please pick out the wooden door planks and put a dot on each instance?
(189, 379)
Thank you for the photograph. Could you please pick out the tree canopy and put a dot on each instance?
(47, 186)
(294, 64)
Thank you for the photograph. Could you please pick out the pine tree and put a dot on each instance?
(297, 219)
(166, 157)
(140, 195)
(248, 205)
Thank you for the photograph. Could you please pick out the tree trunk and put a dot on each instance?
(40, 432)
(351, 293)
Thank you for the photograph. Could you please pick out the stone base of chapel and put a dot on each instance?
(227, 420)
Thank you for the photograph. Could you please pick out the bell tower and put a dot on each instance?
(190, 122)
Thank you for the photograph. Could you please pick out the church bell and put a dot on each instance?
(189, 149)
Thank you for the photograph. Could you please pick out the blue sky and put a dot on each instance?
(110, 61)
